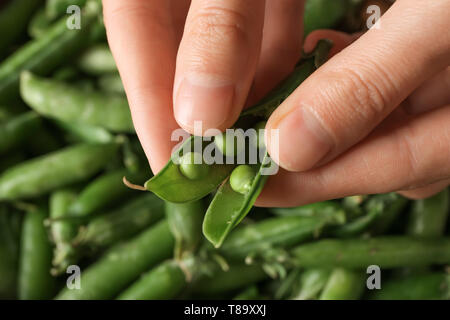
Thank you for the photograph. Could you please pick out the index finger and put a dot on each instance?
(142, 40)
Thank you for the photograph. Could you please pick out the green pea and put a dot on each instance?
(260, 143)
(228, 143)
(241, 179)
(190, 169)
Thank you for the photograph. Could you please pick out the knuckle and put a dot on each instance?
(215, 27)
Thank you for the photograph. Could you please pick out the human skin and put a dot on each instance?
(375, 118)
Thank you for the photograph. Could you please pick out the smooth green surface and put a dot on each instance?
(344, 284)
(324, 14)
(97, 60)
(38, 176)
(312, 281)
(17, 130)
(35, 281)
(58, 100)
(193, 167)
(241, 178)
(129, 219)
(122, 264)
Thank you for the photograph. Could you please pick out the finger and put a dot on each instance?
(403, 153)
(179, 10)
(434, 93)
(216, 61)
(425, 192)
(141, 38)
(281, 44)
(349, 96)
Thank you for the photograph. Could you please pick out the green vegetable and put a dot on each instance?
(86, 133)
(43, 55)
(165, 281)
(193, 167)
(428, 286)
(122, 264)
(230, 143)
(55, 170)
(111, 83)
(324, 14)
(250, 293)
(122, 223)
(62, 231)
(39, 24)
(385, 252)
(35, 281)
(185, 221)
(312, 281)
(88, 107)
(344, 285)
(241, 179)
(13, 20)
(57, 8)
(97, 60)
(17, 130)
(428, 217)
(101, 192)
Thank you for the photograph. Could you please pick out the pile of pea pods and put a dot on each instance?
(72, 228)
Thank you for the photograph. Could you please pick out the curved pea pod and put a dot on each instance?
(13, 20)
(428, 286)
(356, 226)
(86, 133)
(10, 225)
(122, 223)
(275, 232)
(35, 281)
(64, 102)
(55, 170)
(62, 231)
(111, 83)
(122, 264)
(185, 221)
(171, 185)
(100, 193)
(309, 210)
(428, 217)
(97, 60)
(53, 49)
(344, 284)
(164, 282)
(386, 252)
(324, 14)
(16, 130)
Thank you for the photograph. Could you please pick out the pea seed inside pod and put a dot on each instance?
(230, 143)
(241, 178)
(192, 166)
(259, 127)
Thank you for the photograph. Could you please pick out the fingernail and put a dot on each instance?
(204, 102)
(303, 143)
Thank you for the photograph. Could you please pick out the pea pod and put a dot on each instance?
(86, 133)
(428, 217)
(101, 192)
(386, 252)
(122, 223)
(35, 281)
(391, 206)
(275, 232)
(185, 221)
(230, 205)
(111, 83)
(312, 282)
(165, 281)
(324, 14)
(344, 284)
(171, 185)
(43, 55)
(309, 210)
(122, 264)
(88, 107)
(16, 130)
(428, 286)
(250, 293)
(39, 24)
(357, 226)
(62, 231)
(13, 20)
(9, 251)
(43, 174)
(97, 60)
(57, 8)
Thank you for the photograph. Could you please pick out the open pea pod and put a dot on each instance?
(171, 185)
(228, 206)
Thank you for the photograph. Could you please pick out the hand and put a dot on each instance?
(219, 51)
